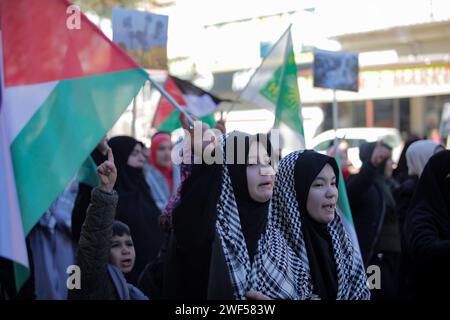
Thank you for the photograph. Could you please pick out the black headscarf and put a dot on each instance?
(428, 230)
(401, 172)
(253, 214)
(136, 206)
(431, 201)
(83, 199)
(128, 177)
(195, 218)
(286, 266)
(317, 239)
(385, 185)
(366, 149)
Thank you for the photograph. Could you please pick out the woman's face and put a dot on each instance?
(322, 196)
(122, 253)
(136, 158)
(163, 154)
(260, 175)
(388, 169)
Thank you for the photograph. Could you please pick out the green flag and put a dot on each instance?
(343, 203)
(274, 86)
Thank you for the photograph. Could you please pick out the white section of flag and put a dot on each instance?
(277, 58)
(200, 105)
(265, 72)
(20, 103)
(12, 240)
(290, 140)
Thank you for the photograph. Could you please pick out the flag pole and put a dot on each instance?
(335, 112)
(133, 119)
(171, 100)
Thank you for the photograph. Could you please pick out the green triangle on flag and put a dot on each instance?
(271, 89)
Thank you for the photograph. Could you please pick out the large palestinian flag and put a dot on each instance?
(62, 89)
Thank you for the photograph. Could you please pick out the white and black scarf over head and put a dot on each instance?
(281, 269)
(240, 220)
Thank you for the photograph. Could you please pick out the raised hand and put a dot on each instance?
(196, 141)
(184, 121)
(379, 154)
(220, 125)
(107, 173)
(102, 146)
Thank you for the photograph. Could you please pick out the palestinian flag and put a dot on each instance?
(62, 89)
(196, 101)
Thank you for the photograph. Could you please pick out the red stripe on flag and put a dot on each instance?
(164, 106)
(38, 29)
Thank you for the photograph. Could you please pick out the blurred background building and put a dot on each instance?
(403, 46)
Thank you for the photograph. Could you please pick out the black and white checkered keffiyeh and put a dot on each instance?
(229, 229)
(281, 269)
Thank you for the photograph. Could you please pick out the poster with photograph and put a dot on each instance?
(143, 35)
(336, 70)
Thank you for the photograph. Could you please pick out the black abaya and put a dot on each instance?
(136, 207)
(195, 231)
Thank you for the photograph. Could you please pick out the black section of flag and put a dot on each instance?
(189, 89)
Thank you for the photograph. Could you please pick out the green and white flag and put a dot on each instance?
(274, 87)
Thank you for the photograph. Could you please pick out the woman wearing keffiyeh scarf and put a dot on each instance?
(218, 222)
(305, 252)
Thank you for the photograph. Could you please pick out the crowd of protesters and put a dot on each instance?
(140, 227)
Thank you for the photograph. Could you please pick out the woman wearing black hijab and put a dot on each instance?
(87, 182)
(136, 207)
(221, 216)
(306, 252)
(428, 231)
(401, 173)
(375, 216)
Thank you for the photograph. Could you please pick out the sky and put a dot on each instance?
(190, 19)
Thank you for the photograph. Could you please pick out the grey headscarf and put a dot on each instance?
(418, 155)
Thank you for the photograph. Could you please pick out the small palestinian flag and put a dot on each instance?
(197, 101)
